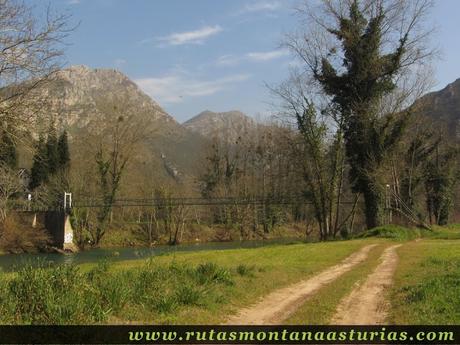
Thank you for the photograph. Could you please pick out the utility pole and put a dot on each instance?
(389, 215)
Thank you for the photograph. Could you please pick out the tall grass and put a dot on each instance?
(66, 295)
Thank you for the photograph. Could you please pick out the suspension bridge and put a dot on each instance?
(57, 218)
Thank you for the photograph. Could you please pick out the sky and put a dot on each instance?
(218, 55)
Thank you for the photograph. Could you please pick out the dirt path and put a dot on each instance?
(280, 304)
(366, 305)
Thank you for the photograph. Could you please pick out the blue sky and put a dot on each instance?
(192, 55)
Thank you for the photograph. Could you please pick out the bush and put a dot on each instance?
(211, 273)
(188, 294)
(19, 237)
(245, 270)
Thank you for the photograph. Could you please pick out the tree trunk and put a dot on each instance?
(373, 209)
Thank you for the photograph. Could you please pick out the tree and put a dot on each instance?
(39, 172)
(414, 154)
(441, 175)
(52, 158)
(10, 185)
(361, 55)
(63, 151)
(30, 53)
(116, 144)
(8, 154)
(52, 154)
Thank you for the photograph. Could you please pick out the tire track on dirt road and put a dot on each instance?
(366, 304)
(280, 304)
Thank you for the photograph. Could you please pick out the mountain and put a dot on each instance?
(79, 98)
(443, 107)
(229, 124)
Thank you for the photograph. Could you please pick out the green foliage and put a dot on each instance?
(51, 158)
(65, 295)
(39, 172)
(8, 154)
(245, 270)
(53, 296)
(189, 294)
(211, 273)
(63, 151)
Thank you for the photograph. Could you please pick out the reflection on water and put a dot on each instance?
(14, 262)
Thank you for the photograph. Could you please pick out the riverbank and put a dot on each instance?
(133, 236)
(207, 286)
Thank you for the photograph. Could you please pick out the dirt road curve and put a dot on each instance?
(280, 304)
(366, 304)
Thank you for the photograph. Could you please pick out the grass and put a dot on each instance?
(182, 288)
(450, 232)
(66, 295)
(427, 283)
(395, 232)
(321, 307)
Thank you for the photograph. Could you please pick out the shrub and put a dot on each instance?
(210, 272)
(245, 270)
(188, 294)
(19, 237)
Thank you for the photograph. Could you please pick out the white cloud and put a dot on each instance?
(191, 37)
(267, 56)
(262, 6)
(232, 60)
(178, 86)
(228, 60)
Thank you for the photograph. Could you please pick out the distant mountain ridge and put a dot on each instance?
(75, 99)
(443, 107)
(230, 124)
(74, 93)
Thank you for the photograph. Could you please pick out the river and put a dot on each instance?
(14, 262)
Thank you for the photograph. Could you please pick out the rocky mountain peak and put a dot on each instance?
(230, 124)
(75, 93)
(444, 107)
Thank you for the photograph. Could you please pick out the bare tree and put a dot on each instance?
(31, 50)
(116, 144)
(10, 184)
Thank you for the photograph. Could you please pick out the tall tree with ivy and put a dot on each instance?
(357, 53)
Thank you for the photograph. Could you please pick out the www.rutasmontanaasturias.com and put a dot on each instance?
(290, 336)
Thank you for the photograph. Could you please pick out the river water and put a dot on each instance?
(14, 262)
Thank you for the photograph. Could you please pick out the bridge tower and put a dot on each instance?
(68, 245)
